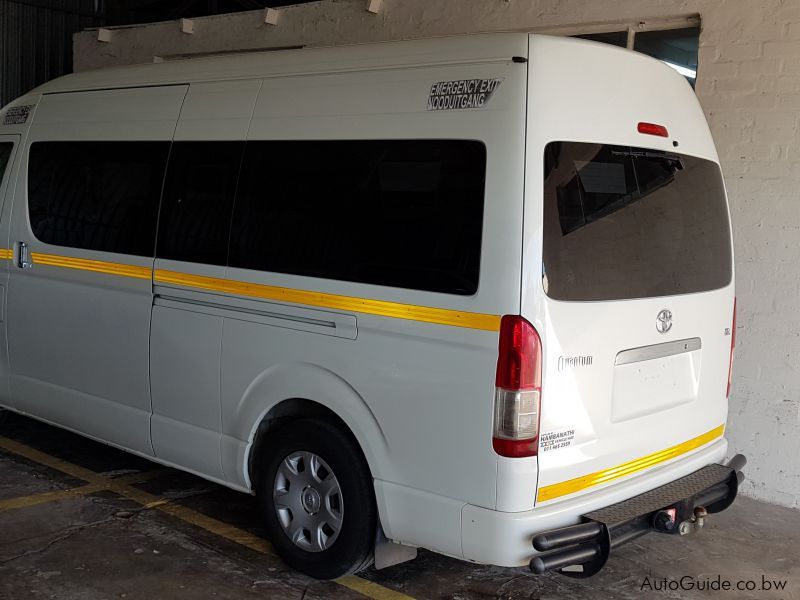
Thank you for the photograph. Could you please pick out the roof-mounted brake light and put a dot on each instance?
(653, 129)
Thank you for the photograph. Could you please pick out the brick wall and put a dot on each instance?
(749, 85)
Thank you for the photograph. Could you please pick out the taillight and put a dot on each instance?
(652, 129)
(518, 389)
(733, 345)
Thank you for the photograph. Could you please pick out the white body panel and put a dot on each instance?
(185, 374)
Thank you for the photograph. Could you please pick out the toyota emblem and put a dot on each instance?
(664, 321)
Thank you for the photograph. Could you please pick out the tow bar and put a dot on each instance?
(678, 508)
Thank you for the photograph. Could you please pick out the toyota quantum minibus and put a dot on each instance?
(471, 294)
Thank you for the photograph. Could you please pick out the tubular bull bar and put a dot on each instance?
(677, 508)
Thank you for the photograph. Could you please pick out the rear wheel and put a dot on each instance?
(317, 498)
(3, 416)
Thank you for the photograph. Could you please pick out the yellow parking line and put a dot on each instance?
(84, 490)
(51, 461)
(370, 589)
(147, 500)
(220, 528)
(45, 497)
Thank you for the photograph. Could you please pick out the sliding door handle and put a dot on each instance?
(23, 254)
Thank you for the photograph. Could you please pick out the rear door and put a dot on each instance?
(628, 267)
(636, 260)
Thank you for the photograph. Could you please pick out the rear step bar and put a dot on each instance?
(679, 507)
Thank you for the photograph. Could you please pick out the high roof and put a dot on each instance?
(305, 61)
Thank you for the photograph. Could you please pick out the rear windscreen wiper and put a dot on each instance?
(671, 158)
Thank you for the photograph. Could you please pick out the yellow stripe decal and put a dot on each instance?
(96, 266)
(571, 486)
(396, 310)
(382, 308)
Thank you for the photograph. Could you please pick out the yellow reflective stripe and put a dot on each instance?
(396, 310)
(440, 316)
(571, 486)
(96, 266)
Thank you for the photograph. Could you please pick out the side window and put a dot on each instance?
(5, 154)
(401, 213)
(198, 200)
(96, 195)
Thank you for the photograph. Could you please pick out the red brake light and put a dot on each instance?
(519, 361)
(515, 448)
(733, 345)
(653, 129)
(518, 382)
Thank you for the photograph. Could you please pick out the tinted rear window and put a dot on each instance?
(401, 213)
(623, 223)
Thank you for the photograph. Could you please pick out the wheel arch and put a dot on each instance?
(287, 392)
(285, 412)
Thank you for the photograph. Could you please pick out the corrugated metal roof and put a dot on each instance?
(36, 35)
(36, 41)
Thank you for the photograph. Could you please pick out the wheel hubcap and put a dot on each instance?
(308, 501)
(311, 500)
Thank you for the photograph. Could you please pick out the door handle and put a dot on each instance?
(23, 255)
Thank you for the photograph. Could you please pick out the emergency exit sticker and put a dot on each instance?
(17, 115)
(462, 94)
(553, 440)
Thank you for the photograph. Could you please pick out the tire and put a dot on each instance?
(3, 416)
(295, 502)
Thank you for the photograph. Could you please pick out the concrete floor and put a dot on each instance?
(122, 540)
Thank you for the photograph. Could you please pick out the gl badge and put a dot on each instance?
(664, 321)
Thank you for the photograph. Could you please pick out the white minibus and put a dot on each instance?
(470, 294)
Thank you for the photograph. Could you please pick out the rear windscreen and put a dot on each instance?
(622, 223)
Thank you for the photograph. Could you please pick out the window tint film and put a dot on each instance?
(401, 213)
(5, 154)
(198, 200)
(622, 222)
(96, 195)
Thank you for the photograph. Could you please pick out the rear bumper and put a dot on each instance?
(505, 539)
(678, 508)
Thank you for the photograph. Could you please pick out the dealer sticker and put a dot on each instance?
(17, 115)
(462, 94)
(553, 440)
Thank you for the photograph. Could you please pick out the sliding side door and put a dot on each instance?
(191, 255)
